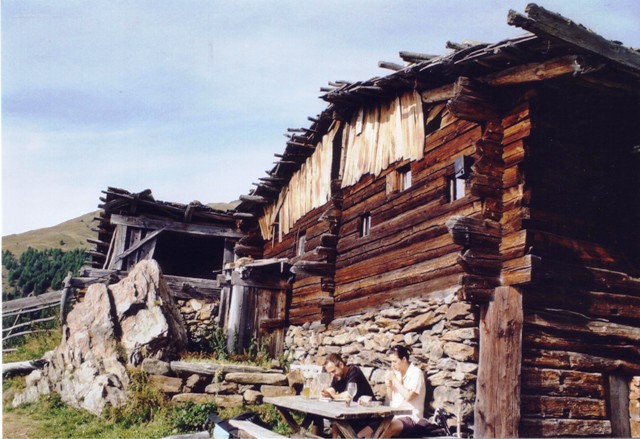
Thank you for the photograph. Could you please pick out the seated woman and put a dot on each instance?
(406, 387)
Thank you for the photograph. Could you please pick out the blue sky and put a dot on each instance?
(191, 98)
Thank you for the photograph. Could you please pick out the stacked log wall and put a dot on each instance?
(568, 234)
(308, 291)
(408, 251)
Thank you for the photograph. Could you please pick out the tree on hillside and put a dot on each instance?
(39, 270)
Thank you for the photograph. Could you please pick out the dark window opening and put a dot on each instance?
(183, 254)
(276, 230)
(365, 225)
(433, 119)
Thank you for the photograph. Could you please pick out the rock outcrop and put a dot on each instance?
(112, 328)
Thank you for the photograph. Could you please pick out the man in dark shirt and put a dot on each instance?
(342, 375)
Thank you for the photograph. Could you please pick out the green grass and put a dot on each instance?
(33, 346)
(49, 418)
(73, 233)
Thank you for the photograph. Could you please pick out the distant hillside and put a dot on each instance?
(68, 235)
(73, 233)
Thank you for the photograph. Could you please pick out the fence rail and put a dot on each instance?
(27, 305)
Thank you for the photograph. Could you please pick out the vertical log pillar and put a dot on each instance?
(66, 290)
(236, 310)
(619, 405)
(497, 411)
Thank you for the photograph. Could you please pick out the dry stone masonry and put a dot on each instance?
(200, 320)
(224, 385)
(442, 333)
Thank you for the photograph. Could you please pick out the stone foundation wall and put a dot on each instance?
(200, 319)
(225, 385)
(443, 334)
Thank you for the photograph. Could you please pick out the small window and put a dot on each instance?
(302, 240)
(405, 178)
(456, 188)
(365, 225)
(399, 180)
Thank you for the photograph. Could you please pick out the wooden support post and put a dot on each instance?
(66, 290)
(619, 400)
(236, 310)
(497, 410)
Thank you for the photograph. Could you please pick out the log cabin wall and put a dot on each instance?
(408, 251)
(571, 238)
(309, 289)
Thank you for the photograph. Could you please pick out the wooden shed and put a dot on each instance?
(505, 172)
(191, 243)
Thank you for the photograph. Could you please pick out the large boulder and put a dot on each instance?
(112, 328)
(150, 322)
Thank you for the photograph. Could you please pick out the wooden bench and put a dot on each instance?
(249, 430)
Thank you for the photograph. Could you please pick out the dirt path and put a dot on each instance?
(16, 427)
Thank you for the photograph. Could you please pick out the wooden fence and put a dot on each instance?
(20, 308)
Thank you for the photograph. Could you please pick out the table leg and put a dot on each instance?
(289, 419)
(383, 427)
(346, 429)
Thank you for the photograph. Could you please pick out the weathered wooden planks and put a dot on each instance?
(497, 409)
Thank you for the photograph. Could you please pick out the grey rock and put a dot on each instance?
(252, 396)
(154, 366)
(269, 391)
(256, 378)
(223, 387)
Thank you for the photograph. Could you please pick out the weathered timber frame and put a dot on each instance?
(557, 286)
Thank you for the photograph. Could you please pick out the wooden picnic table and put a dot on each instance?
(336, 412)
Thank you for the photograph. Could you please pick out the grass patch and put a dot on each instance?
(50, 418)
(34, 346)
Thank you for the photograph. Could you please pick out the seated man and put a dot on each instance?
(342, 375)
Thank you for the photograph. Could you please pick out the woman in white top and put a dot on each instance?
(406, 387)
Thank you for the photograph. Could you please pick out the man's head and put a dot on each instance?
(335, 366)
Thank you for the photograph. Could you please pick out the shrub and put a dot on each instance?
(144, 402)
(189, 416)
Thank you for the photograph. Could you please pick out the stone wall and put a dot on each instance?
(200, 319)
(225, 385)
(443, 334)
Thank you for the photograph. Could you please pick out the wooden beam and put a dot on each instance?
(151, 236)
(415, 56)
(533, 72)
(390, 65)
(474, 232)
(497, 409)
(256, 198)
(175, 226)
(272, 283)
(472, 101)
(439, 94)
(555, 27)
(23, 366)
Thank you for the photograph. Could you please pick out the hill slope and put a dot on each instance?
(73, 233)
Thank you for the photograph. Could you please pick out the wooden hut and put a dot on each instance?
(507, 173)
(191, 243)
